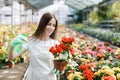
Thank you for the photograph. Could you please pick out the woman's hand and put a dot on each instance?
(55, 71)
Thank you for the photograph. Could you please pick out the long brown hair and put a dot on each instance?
(46, 17)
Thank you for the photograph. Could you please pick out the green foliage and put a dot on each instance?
(97, 78)
(3, 56)
(96, 16)
(115, 10)
(93, 17)
(111, 12)
(102, 12)
(77, 78)
(77, 27)
(79, 14)
(106, 55)
(116, 63)
(69, 68)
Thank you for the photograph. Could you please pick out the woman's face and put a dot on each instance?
(50, 27)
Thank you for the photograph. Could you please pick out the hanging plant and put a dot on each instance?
(93, 17)
(115, 10)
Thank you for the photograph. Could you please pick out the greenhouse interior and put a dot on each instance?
(59, 39)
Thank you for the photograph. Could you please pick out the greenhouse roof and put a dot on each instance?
(76, 4)
(32, 4)
(81, 4)
(39, 4)
(36, 4)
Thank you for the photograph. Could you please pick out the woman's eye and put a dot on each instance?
(51, 24)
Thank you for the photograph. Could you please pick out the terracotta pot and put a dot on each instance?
(60, 65)
(106, 43)
(118, 56)
(11, 65)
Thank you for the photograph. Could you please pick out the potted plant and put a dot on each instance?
(11, 64)
(62, 53)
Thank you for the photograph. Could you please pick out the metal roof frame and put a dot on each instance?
(81, 4)
(39, 4)
(36, 4)
(74, 5)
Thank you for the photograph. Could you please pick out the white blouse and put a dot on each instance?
(41, 60)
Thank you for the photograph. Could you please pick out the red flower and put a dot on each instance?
(65, 40)
(108, 78)
(71, 39)
(63, 46)
(100, 55)
(71, 50)
(53, 50)
(86, 66)
(68, 39)
(88, 74)
(83, 67)
(59, 49)
(90, 78)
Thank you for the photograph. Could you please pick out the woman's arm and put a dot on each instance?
(12, 54)
(16, 48)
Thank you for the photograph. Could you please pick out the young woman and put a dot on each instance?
(41, 60)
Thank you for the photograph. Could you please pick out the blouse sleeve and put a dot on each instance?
(25, 45)
(57, 42)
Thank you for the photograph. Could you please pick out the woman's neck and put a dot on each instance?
(44, 38)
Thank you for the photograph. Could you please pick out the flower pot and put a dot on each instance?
(11, 64)
(60, 65)
(117, 56)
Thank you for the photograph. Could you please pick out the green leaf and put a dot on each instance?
(76, 78)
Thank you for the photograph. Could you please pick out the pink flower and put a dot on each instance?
(108, 78)
(87, 51)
